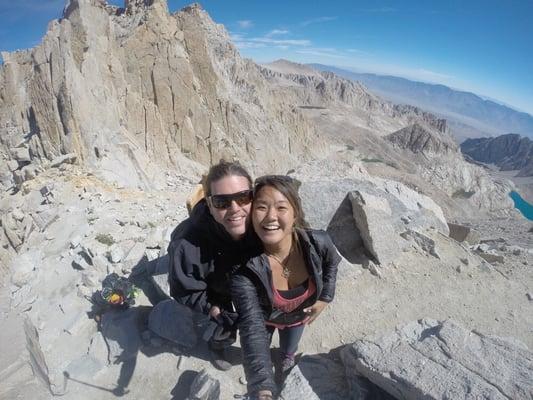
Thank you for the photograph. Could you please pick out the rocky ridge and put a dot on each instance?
(109, 84)
(509, 152)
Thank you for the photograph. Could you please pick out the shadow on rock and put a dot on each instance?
(345, 234)
(324, 377)
(152, 278)
(181, 390)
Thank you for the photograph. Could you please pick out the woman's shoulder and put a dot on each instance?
(318, 237)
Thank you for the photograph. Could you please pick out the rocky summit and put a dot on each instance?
(107, 126)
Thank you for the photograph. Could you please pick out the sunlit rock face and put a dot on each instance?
(134, 90)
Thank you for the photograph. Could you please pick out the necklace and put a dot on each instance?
(286, 271)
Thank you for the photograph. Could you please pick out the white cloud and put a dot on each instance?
(324, 52)
(282, 42)
(317, 20)
(245, 24)
(277, 32)
(249, 45)
(244, 42)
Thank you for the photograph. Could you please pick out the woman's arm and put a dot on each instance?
(330, 261)
(255, 343)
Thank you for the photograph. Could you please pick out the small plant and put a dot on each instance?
(372, 160)
(151, 224)
(105, 238)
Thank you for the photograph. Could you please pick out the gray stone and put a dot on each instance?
(483, 247)
(98, 349)
(297, 387)
(422, 241)
(21, 154)
(23, 267)
(37, 358)
(151, 254)
(17, 214)
(174, 322)
(100, 263)
(463, 233)
(323, 376)
(441, 360)
(12, 165)
(14, 239)
(372, 268)
(529, 296)
(204, 387)
(115, 254)
(67, 158)
(134, 256)
(18, 177)
(90, 278)
(333, 204)
(44, 219)
(372, 216)
(80, 263)
(30, 172)
(492, 256)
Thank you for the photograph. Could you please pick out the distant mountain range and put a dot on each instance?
(509, 152)
(468, 114)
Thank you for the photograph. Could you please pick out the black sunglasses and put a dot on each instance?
(223, 201)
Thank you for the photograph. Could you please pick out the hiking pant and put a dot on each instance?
(289, 338)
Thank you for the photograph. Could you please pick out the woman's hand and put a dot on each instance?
(315, 310)
(214, 312)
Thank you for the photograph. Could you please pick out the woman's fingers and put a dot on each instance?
(315, 310)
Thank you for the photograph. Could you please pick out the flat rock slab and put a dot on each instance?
(174, 322)
(442, 360)
(463, 233)
(323, 376)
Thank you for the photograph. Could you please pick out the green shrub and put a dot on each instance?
(105, 238)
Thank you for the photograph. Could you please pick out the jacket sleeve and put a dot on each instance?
(330, 261)
(255, 343)
(187, 276)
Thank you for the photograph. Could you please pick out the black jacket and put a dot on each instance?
(202, 256)
(251, 290)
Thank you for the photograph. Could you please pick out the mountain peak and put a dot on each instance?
(289, 67)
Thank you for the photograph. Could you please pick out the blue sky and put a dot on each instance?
(485, 47)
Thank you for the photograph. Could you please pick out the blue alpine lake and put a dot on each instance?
(523, 206)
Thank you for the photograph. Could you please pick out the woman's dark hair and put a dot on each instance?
(288, 187)
(223, 169)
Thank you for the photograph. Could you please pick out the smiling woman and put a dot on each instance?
(286, 287)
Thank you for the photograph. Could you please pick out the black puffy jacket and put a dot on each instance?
(202, 256)
(251, 290)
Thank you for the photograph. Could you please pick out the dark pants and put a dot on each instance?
(289, 338)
